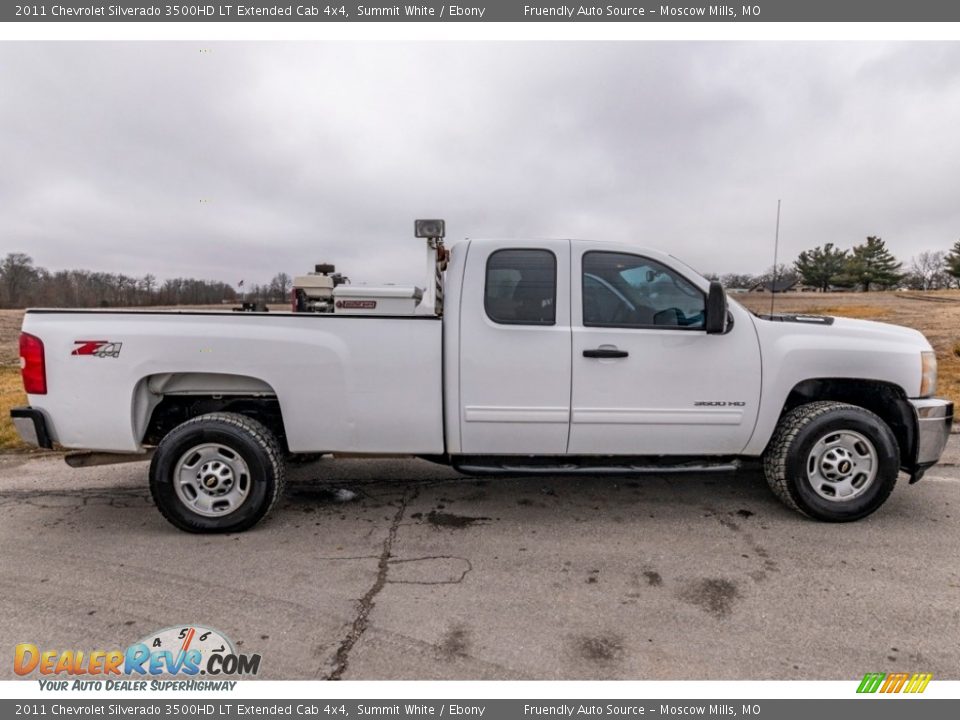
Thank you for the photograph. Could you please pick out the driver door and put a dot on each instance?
(646, 377)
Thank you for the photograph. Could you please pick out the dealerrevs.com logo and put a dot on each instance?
(182, 651)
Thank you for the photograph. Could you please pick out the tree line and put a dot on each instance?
(23, 284)
(868, 266)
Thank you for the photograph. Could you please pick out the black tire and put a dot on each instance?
(259, 469)
(790, 459)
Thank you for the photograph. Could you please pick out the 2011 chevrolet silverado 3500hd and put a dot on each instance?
(520, 356)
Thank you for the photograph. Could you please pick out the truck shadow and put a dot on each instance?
(445, 499)
(376, 483)
(365, 490)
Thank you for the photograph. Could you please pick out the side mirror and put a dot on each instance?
(716, 316)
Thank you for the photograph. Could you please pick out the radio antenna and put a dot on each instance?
(776, 247)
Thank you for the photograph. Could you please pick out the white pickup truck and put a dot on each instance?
(521, 356)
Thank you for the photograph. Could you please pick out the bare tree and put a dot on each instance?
(17, 274)
(148, 285)
(782, 273)
(280, 287)
(928, 270)
(737, 280)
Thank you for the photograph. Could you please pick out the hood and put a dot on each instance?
(864, 329)
(877, 330)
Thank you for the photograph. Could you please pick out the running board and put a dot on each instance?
(85, 458)
(588, 466)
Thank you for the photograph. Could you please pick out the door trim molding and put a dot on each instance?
(508, 414)
(655, 416)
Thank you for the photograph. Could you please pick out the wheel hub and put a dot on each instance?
(212, 479)
(215, 477)
(842, 465)
(836, 464)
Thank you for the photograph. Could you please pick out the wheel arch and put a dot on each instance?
(164, 400)
(885, 399)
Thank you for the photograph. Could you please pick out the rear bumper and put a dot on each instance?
(31, 425)
(934, 419)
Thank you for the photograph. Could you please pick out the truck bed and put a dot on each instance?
(344, 383)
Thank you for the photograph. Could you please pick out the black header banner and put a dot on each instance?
(483, 11)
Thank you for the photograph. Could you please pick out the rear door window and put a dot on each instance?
(521, 287)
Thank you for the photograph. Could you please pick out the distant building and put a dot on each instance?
(780, 286)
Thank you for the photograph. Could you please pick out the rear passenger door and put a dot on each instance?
(515, 348)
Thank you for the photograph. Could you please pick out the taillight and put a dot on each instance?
(32, 365)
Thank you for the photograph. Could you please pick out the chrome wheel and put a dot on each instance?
(211, 479)
(842, 465)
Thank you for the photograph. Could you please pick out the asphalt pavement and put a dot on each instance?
(400, 569)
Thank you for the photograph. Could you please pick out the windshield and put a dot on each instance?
(698, 274)
(693, 270)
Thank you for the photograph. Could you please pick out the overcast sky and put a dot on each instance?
(250, 158)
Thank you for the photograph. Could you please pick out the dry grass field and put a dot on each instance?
(935, 314)
(11, 389)
(11, 395)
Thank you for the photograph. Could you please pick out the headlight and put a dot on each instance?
(928, 377)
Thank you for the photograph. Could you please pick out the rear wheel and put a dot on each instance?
(220, 472)
(832, 461)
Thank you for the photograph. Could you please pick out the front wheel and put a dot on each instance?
(832, 461)
(220, 472)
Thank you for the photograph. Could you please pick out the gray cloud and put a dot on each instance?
(237, 160)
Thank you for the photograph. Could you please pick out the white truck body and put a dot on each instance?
(468, 386)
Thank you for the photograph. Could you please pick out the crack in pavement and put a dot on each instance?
(433, 582)
(347, 557)
(80, 497)
(463, 574)
(368, 601)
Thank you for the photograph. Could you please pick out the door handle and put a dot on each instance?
(605, 352)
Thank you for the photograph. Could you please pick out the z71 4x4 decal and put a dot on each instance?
(97, 348)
